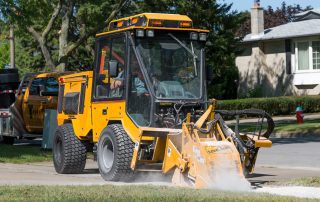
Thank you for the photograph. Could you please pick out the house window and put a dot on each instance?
(316, 54)
(307, 55)
(303, 55)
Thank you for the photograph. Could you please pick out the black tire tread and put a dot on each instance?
(75, 153)
(122, 171)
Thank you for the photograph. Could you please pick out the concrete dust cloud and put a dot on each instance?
(154, 178)
(224, 173)
(227, 178)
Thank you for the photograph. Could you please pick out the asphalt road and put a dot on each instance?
(288, 158)
(292, 153)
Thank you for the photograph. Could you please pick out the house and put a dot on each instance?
(283, 60)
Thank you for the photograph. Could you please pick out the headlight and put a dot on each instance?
(139, 32)
(150, 33)
(202, 36)
(194, 36)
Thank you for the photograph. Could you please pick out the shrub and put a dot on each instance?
(274, 105)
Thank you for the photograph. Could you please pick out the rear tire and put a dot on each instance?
(114, 154)
(8, 140)
(69, 153)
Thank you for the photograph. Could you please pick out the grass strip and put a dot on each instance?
(23, 154)
(305, 181)
(128, 193)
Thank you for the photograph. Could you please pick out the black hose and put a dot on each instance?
(255, 112)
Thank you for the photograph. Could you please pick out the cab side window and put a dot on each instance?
(48, 86)
(51, 86)
(110, 75)
(36, 86)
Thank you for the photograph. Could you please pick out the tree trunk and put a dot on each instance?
(63, 38)
(50, 66)
(44, 48)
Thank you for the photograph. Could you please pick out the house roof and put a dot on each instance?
(306, 24)
(316, 10)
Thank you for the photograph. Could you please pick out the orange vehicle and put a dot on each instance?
(36, 93)
(144, 108)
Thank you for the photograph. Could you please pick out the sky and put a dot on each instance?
(242, 5)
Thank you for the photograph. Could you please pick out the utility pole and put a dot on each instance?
(11, 39)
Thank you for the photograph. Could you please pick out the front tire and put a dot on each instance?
(114, 154)
(69, 153)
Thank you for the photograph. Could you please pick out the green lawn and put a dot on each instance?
(309, 126)
(127, 193)
(23, 154)
(305, 181)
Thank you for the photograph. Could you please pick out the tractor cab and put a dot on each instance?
(155, 63)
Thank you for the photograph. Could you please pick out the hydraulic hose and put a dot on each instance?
(252, 112)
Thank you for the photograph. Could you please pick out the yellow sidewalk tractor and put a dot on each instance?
(144, 107)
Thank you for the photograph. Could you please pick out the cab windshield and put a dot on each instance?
(173, 66)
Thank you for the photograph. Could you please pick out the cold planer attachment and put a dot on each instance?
(203, 151)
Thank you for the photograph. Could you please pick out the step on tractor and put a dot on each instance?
(144, 107)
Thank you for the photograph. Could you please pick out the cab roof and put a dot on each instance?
(50, 74)
(152, 21)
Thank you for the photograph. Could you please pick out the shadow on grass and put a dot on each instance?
(23, 152)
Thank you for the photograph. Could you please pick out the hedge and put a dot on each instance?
(285, 105)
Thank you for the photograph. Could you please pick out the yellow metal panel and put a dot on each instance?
(81, 123)
(164, 16)
(172, 157)
(156, 28)
(135, 155)
(159, 149)
(204, 117)
(115, 112)
(262, 143)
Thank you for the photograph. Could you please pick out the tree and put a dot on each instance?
(4, 45)
(64, 31)
(74, 21)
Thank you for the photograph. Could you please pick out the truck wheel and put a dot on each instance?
(8, 140)
(69, 153)
(114, 154)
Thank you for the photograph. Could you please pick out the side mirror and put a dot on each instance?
(113, 68)
(209, 74)
(40, 90)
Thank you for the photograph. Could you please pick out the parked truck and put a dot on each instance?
(36, 93)
(9, 82)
